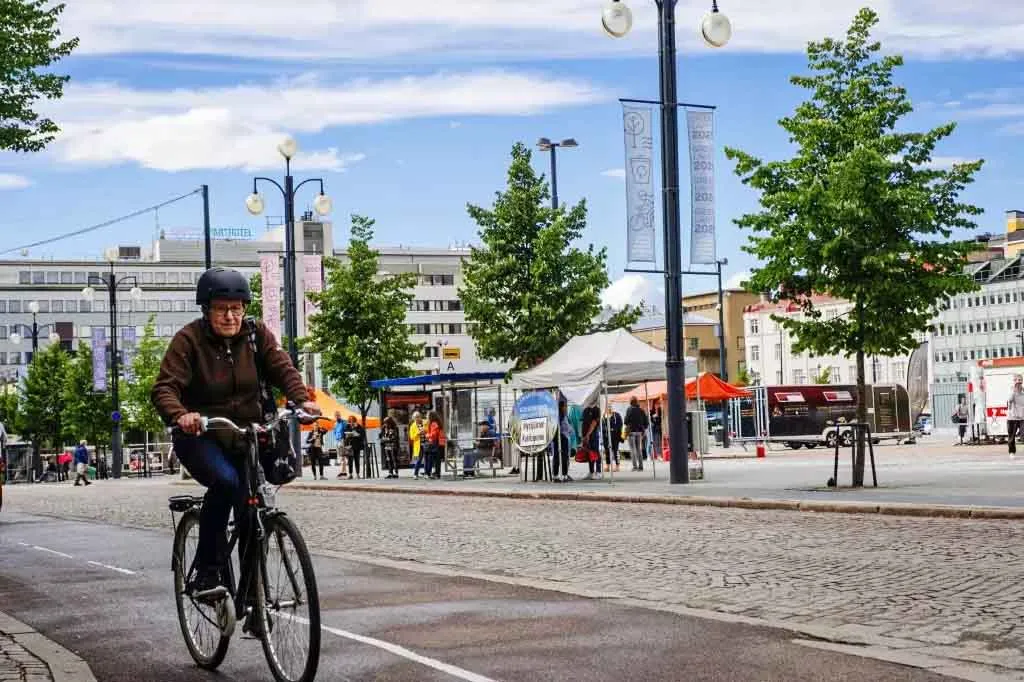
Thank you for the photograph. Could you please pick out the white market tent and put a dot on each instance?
(615, 357)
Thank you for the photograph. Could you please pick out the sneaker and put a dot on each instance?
(597, 476)
(566, 478)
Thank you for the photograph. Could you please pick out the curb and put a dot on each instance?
(64, 665)
(819, 506)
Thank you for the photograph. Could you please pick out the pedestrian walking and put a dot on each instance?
(590, 441)
(417, 434)
(1014, 413)
(315, 443)
(389, 445)
(636, 424)
(339, 444)
(611, 434)
(82, 464)
(356, 436)
(656, 431)
(436, 443)
(562, 446)
(961, 415)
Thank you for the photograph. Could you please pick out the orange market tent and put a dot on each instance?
(711, 389)
(328, 406)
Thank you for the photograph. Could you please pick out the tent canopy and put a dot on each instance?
(616, 357)
(712, 390)
(328, 406)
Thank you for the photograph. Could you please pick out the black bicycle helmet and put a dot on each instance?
(222, 283)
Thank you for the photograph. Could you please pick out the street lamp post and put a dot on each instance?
(723, 364)
(322, 205)
(34, 330)
(617, 20)
(113, 284)
(546, 145)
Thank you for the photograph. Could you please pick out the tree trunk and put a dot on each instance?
(862, 418)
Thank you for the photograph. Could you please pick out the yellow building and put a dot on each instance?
(1014, 233)
(701, 330)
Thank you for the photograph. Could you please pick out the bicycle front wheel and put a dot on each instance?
(291, 611)
(200, 623)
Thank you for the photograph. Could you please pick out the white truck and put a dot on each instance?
(996, 384)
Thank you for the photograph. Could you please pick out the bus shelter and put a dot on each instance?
(463, 401)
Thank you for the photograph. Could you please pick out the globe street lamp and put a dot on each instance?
(322, 205)
(113, 284)
(546, 145)
(617, 20)
(33, 331)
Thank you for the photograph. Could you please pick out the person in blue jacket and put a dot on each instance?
(81, 464)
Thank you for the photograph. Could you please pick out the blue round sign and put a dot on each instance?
(115, 415)
(534, 421)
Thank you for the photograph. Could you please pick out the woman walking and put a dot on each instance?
(389, 445)
(315, 441)
(416, 437)
(356, 436)
(435, 444)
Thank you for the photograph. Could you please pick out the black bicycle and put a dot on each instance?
(275, 594)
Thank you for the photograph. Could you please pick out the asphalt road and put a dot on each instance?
(104, 592)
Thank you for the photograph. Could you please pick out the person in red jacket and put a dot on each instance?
(436, 444)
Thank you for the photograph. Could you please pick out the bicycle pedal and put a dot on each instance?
(215, 594)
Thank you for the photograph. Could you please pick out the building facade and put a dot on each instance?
(167, 272)
(771, 359)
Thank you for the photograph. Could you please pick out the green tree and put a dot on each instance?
(742, 377)
(824, 375)
(138, 409)
(86, 413)
(42, 406)
(527, 290)
(10, 408)
(858, 212)
(360, 329)
(255, 307)
(29, 46)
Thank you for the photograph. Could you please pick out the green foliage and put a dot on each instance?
(360, 329)
(824, 375)
(29, 46)
(527, 290)
(42, 405)
(86, 413)
(857, 213)
(742, 377)
(255, 307)
(139, 412)
(10, 409)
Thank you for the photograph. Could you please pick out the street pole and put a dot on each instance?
(1020, 335)
(35, 335)
(723, 363)
(206, 226)
(554, 178)
(290, 298)
(115, 436)
(675, 367)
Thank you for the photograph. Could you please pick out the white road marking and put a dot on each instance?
(112, 568)
(52, 551)
(24, 544)
(398, 650)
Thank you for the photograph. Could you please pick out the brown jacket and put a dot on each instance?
(216, 377)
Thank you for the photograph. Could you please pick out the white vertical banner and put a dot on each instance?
(701, 128)
(270, 273)
(640, 214)
(128, 351)
(99, 359)
(312, 280)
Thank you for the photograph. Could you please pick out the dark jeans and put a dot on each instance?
(353, 461)
(611, 453)
(391, 459)
(316, 459)
(560, 456)
(222, 475)
(1012, 425)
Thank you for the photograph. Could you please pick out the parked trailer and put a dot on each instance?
(995, 387)
(806, 415)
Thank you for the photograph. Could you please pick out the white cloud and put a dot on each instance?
(630, 289)
(455, 124)
(946, 162)
(737, 280)
(239, 126)
(12, 181)
(373, 29)
(619, 173)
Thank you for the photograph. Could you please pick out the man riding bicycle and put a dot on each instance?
(210, 369)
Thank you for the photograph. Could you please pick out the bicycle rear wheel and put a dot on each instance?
(291, 610)
(199, 622)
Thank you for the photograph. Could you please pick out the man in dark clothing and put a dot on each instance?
(611, 431)
(636, 425)
(81, 464)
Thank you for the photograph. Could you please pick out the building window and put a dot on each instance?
(152, 306)
(437, 306)
(165, 305)
(24, 277)
(179, 306)
(14, 306)
(172, 278)
(455, 328)
(455, 304)
(15, 358)
(80, 278)
(798, 376)
(66, 278)
(38, 277)
(85, 306)
(431, 351)
(740, 343)
(778, 377)
(755, 327)
(755, 353)
(70, 306)
(778, 351)
(147, 277)
(692, 343)
(52, 277)
(44, 306)
(3, 359)
(57, 306)
(834, 377)
(161, 278)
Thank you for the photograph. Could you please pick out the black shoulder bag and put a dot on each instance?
(277, 458)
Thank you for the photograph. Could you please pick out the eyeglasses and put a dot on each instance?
(225, 310)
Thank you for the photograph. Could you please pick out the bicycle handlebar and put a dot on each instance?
(207, 422)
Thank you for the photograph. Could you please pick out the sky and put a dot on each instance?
(408, 111)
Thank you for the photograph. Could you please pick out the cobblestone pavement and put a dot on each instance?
(943, 587)
(18, 665)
